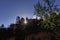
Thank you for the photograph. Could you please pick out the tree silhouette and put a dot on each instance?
(45, 7)
(2, 26)
(39, 10)
(17, 20)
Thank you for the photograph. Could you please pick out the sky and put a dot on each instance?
(10, 9)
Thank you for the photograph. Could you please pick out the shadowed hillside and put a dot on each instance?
(44, 26)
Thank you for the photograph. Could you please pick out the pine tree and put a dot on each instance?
(38, 10)
(45, 7)
(51, 5)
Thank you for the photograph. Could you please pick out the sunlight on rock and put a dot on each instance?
(25, 21)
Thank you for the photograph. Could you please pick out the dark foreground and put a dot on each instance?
(11, 34)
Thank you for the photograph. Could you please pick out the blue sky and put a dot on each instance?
(10, 9)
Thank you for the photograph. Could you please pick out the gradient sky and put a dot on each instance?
(10, 9)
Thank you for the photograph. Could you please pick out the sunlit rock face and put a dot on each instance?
(22, 20)
(22, 23)
(25, 21)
